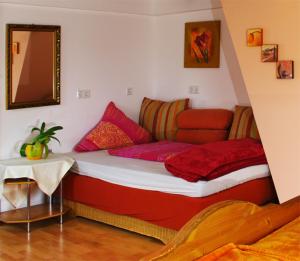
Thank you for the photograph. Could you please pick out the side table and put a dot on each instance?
(47, 174)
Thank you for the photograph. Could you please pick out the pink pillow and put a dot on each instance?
(114, 130)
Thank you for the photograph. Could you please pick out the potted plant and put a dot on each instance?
(34, 150)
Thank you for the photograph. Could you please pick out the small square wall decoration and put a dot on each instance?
(254, 37)
(285, 70)
(269, 53)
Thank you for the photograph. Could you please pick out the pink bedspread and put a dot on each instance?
(157, 151)
(212, 160)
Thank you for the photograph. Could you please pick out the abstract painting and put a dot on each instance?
(255, 37)
(269, 53)
(202, 45)
(285, 69)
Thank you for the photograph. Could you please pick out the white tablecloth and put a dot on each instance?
(46, 172)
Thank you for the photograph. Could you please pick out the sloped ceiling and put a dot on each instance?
(275, 102)
(142, 7)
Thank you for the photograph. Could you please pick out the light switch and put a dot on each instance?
(83, 93)
(194, 89)
(129, 91)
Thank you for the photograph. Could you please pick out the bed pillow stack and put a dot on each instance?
(114, 130)
(200, 126)
(159, 117)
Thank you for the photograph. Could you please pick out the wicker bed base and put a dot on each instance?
(121, 221)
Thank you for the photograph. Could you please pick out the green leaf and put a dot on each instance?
(52, 137)
(35, 129)
(23, 149)
(43, 140)
(39, 137)
(44, 137)
(53, 129)
(43, 127)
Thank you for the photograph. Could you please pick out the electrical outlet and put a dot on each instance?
(87, 93)
(79, 94)
(194, 89)
(83, 93)
(129, 91)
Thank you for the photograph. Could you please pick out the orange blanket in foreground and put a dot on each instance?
(283, 244)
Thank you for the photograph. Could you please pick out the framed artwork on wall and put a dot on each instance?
(285, 69)
(254, 37)
(269, 53)
(202, 44)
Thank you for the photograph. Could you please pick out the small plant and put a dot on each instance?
(40, 142)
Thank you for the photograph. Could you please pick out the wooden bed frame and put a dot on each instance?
(228, 222)
(121, 221)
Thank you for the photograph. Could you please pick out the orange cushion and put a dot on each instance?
(200, 136)
(218, 119)
(243, 125)
(159, 117)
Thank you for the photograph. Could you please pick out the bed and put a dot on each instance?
(236, 230)
(143, 197)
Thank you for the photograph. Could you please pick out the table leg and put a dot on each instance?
(50, 204)
(28, 207)
(61, 202)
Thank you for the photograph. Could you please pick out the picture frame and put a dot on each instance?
(269, 53)
(254, 37)
(285, 69)
(43, 86)
(202, 44)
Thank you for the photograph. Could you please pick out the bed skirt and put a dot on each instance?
(151, 213)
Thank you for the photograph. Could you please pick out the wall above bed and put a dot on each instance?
(107, 53)
(217, 87)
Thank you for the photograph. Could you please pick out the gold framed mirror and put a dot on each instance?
(33, 65)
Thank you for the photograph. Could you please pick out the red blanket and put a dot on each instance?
(157, 151)
(212, 160)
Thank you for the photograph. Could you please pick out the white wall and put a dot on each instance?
(103, 52)
(218, 87)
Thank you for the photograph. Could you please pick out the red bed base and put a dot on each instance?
(163, 209)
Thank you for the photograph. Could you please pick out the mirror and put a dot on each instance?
(33, 65)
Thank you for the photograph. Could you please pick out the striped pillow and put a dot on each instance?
(244, 125)
(159, 117)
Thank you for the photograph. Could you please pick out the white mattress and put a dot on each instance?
(151, 175)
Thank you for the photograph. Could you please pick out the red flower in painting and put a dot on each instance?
(202, 40)
(202, 46)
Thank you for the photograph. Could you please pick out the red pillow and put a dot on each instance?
(114, 130)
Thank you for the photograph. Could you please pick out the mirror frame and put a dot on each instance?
(10, 28)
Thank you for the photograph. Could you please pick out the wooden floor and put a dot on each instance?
(77, 239)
